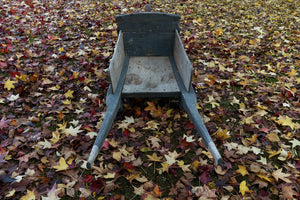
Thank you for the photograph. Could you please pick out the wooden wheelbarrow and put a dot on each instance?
(149, 60)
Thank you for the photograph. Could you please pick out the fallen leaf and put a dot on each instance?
(29, 196)
(62, 165)
(9, 84)
(154, 157)
(278, 174)
(273, 137)
(242, 170)
(244, 188)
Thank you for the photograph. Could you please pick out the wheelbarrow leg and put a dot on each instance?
(114, 103)
(112, 109)
(188, 100)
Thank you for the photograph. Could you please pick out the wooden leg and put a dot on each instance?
(188, 100)
(111, 112)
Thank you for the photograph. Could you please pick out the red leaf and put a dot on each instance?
(96, 185)
(128, 167)
(88, 178)
(204, 177)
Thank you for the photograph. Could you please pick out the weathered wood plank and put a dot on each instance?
(150, 74)
(148, 34)
(183, 63)
(117, 62)
(148, 44)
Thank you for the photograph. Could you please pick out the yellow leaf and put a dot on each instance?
(252, 139)
(154, 157)
(292, 73)
(165, 167)
(69, 94)
(55, 137)
(61, 49)
(62, 165)
(248, 120)
(219, 31)
(117, 156)
(11, 193)
(44, 160)
(244, 188)
(264, 177)
(152, 125)
(22, 77)
(286, 121)
(67, 102)
(242, 170)
(222, 134)
(29, 196)
(9, 84)
(273, 137)
(273, 153)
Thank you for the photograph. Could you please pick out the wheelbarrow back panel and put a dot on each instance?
(148, 34)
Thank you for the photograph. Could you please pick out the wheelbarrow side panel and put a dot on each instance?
(183, 63)
(117, 62)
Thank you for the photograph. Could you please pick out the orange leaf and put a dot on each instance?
(156, 191)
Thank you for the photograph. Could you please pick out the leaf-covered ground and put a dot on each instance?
(54, 57)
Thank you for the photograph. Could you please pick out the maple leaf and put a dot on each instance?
(286, 121)
(278, 174)
(171, 157)
(29, 196)
(152, 125)
(244, 188)
(13, 97)
(222, 134)
(295, 143)
(273, 137)
(289, 193)
(3, 123)
(62, 165)
(55, 137)
(9, 84)
(188, 138)
(154, 157)
(139, 190)
(73, 131)
(185, 168)
(156, 191)
(242, 170)
(204, 192)
(10, 193)
(69, 94)
(155, 142)
(155, 112)
(165, 167)
(52, 194)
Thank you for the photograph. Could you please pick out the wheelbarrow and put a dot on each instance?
(149, 60)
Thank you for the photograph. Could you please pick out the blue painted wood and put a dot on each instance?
(189, 101)
(148, 34)
(113, 101)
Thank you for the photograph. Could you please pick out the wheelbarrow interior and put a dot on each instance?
(150, 41)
